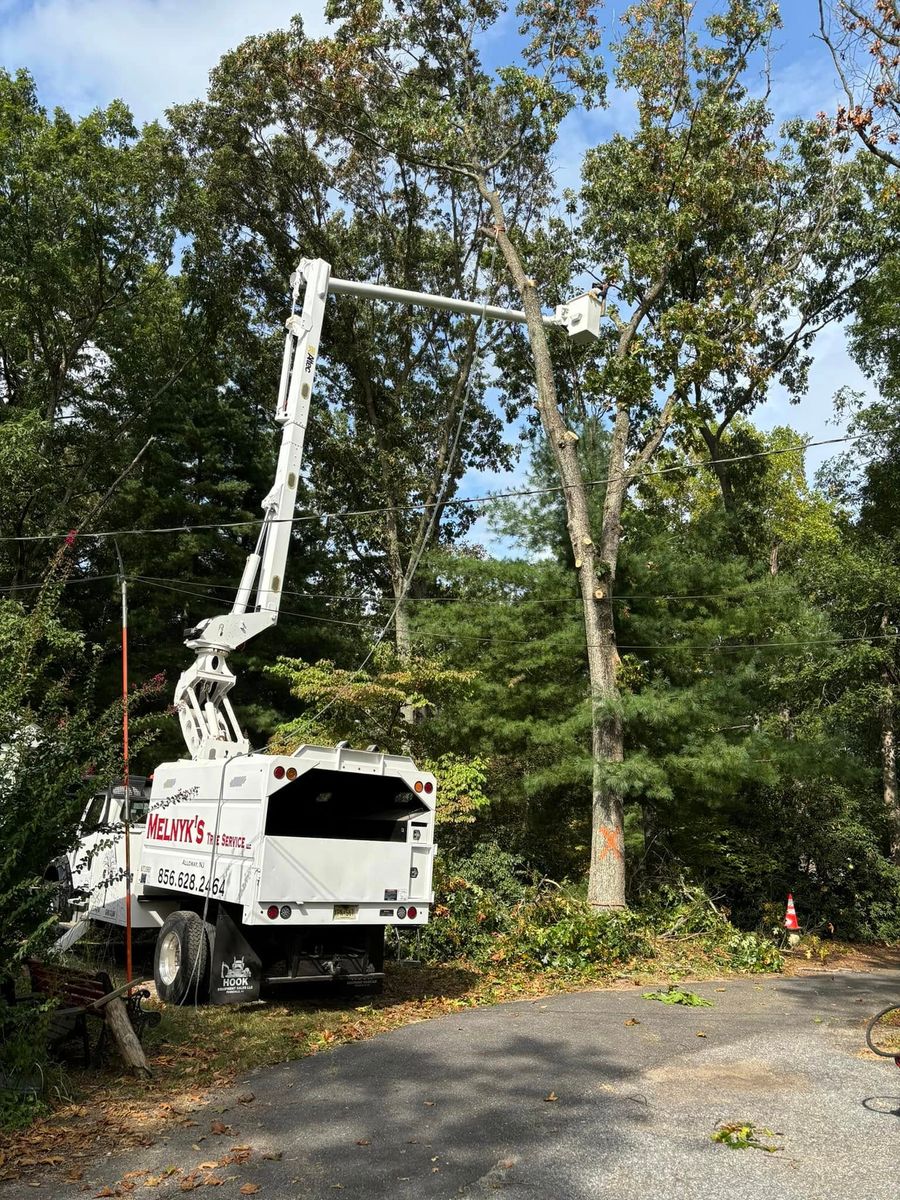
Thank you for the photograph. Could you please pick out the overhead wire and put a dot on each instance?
(209, 587)
(202, 591)
(36, 585)
(422, 506)
(493, 601)
(718, 647)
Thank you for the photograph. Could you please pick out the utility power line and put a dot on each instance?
(37, 585)
(342, 514)
(203, 592)
(715, 647)
(209, 586)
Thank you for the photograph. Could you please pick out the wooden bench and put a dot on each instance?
(81, 994)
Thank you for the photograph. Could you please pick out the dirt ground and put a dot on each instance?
(843, 956)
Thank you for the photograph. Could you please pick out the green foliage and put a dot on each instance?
(385, 703)
(52, 736)
(474, 899)
(678, 995)
(561, 931)
(23, 1065)
(743, 1135)
(490, 909)
(681, 911)
(461, 798)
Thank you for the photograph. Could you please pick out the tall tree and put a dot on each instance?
(400, 388)
(108, 345)
(85, 244)
(694, 189)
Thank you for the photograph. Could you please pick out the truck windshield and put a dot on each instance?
(338, 804)
(94, 814)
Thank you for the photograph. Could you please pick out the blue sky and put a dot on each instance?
(153, 53)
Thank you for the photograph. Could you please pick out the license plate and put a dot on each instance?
(345, 912)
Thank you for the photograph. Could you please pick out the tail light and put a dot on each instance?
(279, 772)
(272, 912)
(401, 912)
(411, 912)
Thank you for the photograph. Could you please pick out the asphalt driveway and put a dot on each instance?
(597, 1094)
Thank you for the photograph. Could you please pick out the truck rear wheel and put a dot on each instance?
(181, 959)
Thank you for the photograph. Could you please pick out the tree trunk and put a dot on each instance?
(606, 881)
(115, 1014)
(720, 470)
(889, 760)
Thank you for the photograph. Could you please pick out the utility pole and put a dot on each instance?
(123, 583)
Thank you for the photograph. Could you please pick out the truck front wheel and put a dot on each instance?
(181, 960)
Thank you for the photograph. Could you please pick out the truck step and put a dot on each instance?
(72, 932)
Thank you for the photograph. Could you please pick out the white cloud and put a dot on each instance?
(150, 53)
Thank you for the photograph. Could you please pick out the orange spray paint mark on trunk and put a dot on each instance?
(611, 843)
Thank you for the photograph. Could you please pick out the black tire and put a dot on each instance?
(181, 959)
(870, 1029)
(375, 947)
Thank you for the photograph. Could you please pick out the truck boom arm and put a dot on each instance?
(208, 722)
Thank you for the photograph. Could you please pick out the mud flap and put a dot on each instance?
(236, 970)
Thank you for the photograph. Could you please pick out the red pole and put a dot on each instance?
(128, 965)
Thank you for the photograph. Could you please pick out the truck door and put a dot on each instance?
(86, 861)
(338, 837)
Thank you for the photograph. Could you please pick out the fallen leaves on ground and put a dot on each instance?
(195, 1050)
(743, 1135)
(550, 1097)
(678, 995)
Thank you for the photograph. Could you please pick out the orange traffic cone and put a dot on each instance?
(790, 917)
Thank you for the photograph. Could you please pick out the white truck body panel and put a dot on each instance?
(206, 837)
(319, 872)
(97, 865)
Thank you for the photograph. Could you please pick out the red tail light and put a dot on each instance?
(279, 772)
(411, 912)
(272, 912)
(429, 788)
